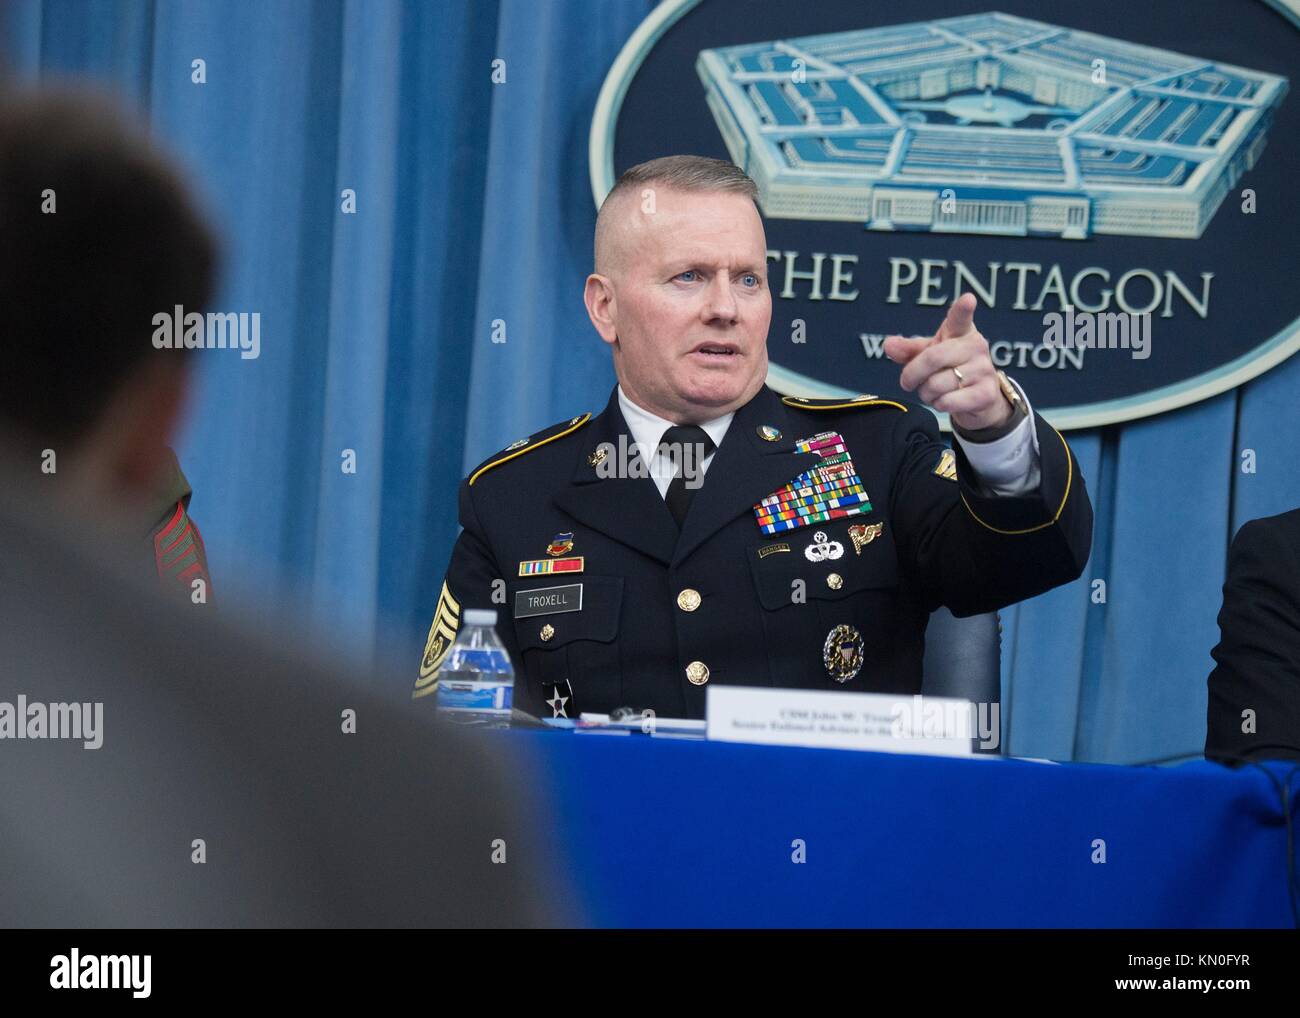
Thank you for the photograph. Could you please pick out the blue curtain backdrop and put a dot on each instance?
(473, 206)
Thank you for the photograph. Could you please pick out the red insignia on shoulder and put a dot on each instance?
(179, 555)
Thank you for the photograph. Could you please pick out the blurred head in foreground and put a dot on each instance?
(162, 766)
(100, 235)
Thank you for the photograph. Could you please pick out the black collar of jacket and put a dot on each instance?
(745, 468)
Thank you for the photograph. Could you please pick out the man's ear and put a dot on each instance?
(602, 307)
(132, 436)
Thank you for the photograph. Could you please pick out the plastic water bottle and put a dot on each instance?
(476, 684)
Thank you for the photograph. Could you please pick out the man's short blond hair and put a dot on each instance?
(680, 173)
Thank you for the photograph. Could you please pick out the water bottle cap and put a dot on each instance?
(480, 617)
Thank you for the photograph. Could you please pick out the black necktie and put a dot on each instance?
(678, 496)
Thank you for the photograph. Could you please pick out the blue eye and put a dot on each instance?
(689, 272)
(750, 279)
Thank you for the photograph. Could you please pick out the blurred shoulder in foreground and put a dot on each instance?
(175, 770)
(159, 764)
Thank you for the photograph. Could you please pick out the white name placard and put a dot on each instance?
(834, 720)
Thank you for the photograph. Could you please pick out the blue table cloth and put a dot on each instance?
(659, 832)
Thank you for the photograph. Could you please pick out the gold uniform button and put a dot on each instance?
(547, 632)
(835, 581)
(698, 673)
(688, 600)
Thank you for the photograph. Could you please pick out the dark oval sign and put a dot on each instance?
(1111, 180)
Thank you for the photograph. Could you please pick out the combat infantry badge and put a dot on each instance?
(842, 653)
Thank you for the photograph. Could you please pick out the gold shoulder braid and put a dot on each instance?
(806, 403)
(527, 445)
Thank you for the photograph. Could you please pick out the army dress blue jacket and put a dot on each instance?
(652, 615)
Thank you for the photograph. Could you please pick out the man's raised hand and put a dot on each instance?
(952, 370)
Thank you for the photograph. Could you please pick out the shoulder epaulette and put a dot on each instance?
(851, 403)
(526, 445)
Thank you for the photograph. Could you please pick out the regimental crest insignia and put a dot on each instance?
(446, 620)
(561, 544)
(842, 653)
(947, 466)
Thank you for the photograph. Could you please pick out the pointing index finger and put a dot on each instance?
(960, 319)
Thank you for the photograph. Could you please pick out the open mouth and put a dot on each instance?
(716, 351)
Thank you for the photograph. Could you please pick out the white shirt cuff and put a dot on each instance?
(1009, 465)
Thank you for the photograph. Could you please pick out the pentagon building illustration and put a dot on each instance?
(989, 124)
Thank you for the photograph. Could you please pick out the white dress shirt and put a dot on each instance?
(647, 430)
(1007, 466)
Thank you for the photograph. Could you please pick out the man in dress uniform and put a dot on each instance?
(704, 529)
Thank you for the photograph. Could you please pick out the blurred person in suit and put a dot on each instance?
(1254, 694)
(159, 765)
